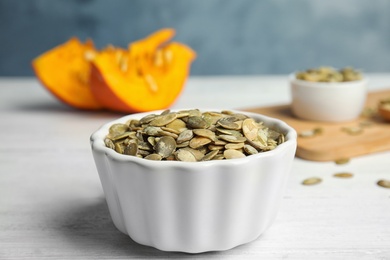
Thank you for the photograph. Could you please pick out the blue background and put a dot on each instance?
(234, 37)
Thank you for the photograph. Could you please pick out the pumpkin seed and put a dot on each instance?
(234, 146)
(147, 119)
(213, 147)
(183, 144)
(229, 123)
(343, 175)
(311, 133)
(185, 156)
(384, 183)
(306, 133)
(171, 158)
(250, 149)
(311, 181)
(194, 112)
(184, 136)
(171, 130)
(131, 149)
(209, 156)
(233, 154)
(182, 114)
(117, 129)
(154, 157)
(163, 119)
(218, 157)
(165, 146)
(178, 125)
(211, 117)
(196, 122)
(281, 139)
(205, 133)
(228, 131)
(145, 146)
(342, 160)
(198, 154)
(199, 141)
(250, 129)
(219, 142)
(262, 136)
(167, 133)
(152, 140)
(258, 145)
(232, 139)
(165, 112)
(109, 143)
(133, 123)
(152, 130)
(353, 130)
(121, 136)
(119, 147)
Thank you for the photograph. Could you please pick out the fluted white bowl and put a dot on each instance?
(327, 101)
(194, 207)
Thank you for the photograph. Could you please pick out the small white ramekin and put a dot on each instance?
(194, 207)
(327, 101)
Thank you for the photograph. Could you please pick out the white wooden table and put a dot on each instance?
(52, 205)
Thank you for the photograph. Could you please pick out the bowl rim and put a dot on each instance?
(304, 83)
(97, 142)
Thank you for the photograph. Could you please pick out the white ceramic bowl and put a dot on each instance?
(327, 101)
(194, 207)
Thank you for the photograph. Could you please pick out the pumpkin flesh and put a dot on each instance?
(64, 71)
(148, 76)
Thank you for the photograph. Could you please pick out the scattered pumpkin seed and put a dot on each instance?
(352, 130)
(384, 183)
(311, 181)
(311, 133)
(343, 175)
(342, 160)
(368, 112)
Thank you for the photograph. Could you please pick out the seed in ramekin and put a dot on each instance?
(190, 135)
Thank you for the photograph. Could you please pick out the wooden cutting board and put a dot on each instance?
(334, 142)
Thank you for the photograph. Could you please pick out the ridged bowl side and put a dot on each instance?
(194, 207)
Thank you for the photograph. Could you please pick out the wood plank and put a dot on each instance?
(334, 143)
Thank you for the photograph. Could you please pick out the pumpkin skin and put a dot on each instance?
(150, 75)
(65, 71)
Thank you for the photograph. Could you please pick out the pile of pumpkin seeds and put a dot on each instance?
(192, 136)
(329, 74)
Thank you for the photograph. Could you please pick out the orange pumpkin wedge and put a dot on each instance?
(150, 75)
(65, 71)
